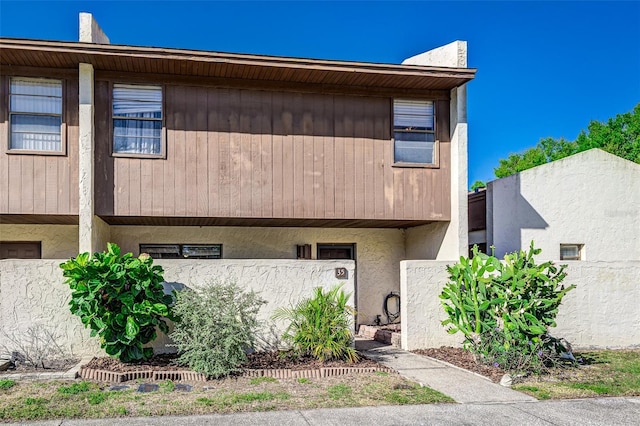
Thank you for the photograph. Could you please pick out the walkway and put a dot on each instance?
(461, 385)
(602, 411)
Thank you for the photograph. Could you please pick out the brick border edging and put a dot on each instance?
(185, 375)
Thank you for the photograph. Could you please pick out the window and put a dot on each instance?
(137, 120)
(570, 251)
(35, 114)
(179, 251)
(20, 250)
(414, 132)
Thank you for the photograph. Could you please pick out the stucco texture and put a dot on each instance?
(58, 241)
(33, 294)
(378, 251)
(602, 312)
(281, 283)
(591, 198)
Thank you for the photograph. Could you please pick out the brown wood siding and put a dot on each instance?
(244, 153)
(477, 210)
(40, 184)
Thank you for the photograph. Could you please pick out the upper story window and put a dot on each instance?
(35, 114)
(137, 120)
(414, 132)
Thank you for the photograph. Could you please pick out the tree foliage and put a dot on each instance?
(619, 136)
(478, 184)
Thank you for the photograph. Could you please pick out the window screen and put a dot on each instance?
(137, 119)
(35, 114)
(414, 131)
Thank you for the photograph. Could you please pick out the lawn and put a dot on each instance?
(27, 400)
(604, 373)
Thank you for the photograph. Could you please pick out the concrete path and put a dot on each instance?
(602, 411)
(463, 386)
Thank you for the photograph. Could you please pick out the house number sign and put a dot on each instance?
(342, 273)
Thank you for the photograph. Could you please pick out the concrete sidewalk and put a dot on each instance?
(602, 411)
(461, 385)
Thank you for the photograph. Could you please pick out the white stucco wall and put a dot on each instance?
(424, 242)
(591, 198)
(58, 241)
(280, 282)
(602, 312)
(378, 251)
(32, 292)
(421, 282)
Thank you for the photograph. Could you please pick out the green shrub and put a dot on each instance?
(217, 324)
(320, 326)
(120, 298)
(504, 309)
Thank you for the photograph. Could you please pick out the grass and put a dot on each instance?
(604, 373)
(7, 384)
(258, 380)
(29, 401)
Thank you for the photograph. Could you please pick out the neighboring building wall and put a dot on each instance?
(378, 251)
(33, 296)
(58, 241)
(591, 198)
(601, 312)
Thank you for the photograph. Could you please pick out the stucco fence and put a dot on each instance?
(602, 312)
(34, 298)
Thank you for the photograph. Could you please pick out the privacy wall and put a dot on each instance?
(602, 312)
(34, 298)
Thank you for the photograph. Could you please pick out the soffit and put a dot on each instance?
(194, 63)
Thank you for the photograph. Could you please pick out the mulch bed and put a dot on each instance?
(256, 361)
(53, 366)
(463, 359)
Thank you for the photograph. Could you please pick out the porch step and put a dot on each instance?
(389, 334)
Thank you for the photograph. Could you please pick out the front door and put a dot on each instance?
(340, 251)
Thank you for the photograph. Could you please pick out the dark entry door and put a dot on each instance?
(339, 252)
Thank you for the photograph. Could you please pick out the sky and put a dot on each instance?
(544, 68)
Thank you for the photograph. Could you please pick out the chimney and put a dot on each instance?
(90, 31)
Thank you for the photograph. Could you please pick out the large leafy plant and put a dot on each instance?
(120, 298)
(505, 308)
(320, 326)
(218, 323)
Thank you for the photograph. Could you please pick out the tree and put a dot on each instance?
(478, 184)
(619, 136)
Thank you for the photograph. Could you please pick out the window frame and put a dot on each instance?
(63, 127)
(162, 120)
(573, 258)
(435, 164)
(180, 246)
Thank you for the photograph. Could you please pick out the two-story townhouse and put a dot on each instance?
(184, 153)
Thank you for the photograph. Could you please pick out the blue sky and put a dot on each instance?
(544, 68)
